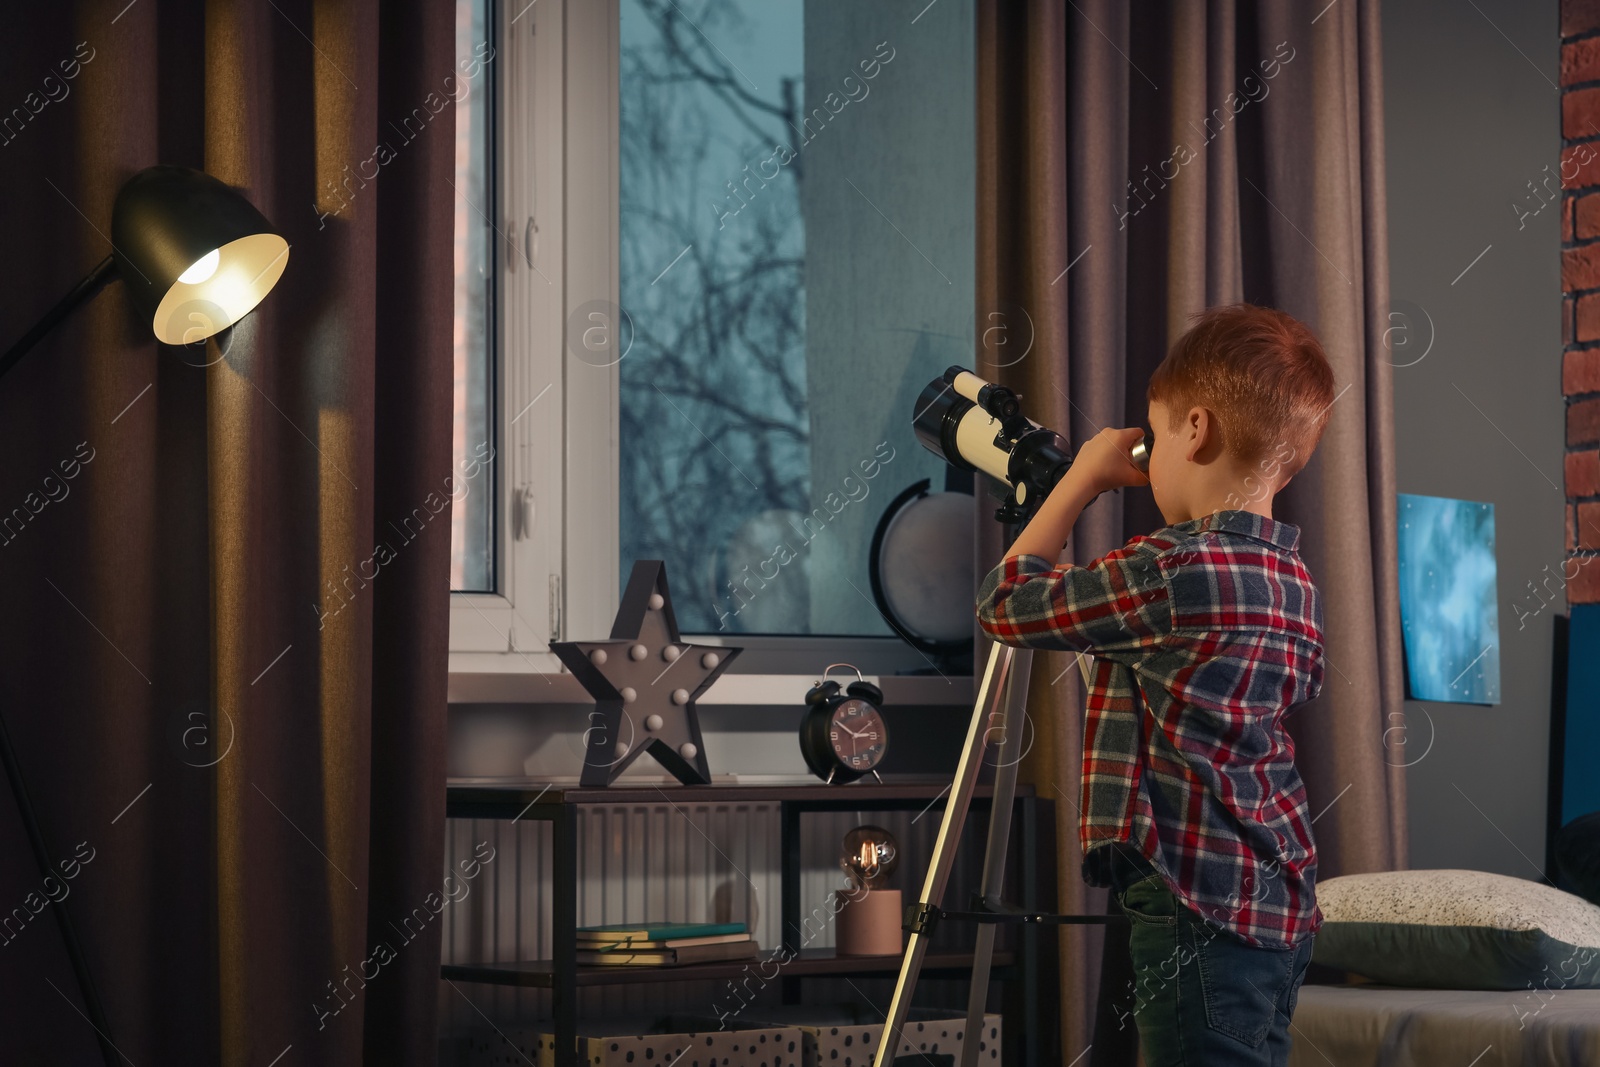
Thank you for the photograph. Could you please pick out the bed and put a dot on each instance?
(1384, 1026)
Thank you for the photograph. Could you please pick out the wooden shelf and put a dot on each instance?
(508, 798)
(811, 963)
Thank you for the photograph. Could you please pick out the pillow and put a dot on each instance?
(1458, 930)
(1577, 852)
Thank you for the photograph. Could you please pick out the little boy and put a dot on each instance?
(1204, 635)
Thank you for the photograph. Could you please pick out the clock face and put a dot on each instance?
(857, 734)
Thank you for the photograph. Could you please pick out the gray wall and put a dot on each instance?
(1470, 122)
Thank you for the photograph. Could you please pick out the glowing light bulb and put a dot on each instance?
(869, 855)
(203, 268)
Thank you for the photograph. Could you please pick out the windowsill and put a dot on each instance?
(731, 690)
(772, 671)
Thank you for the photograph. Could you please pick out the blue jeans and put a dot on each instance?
(1201, 995)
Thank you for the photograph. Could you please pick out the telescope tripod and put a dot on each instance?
(996, 715)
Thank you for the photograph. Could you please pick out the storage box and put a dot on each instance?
(847, 1035)
(661, 1041)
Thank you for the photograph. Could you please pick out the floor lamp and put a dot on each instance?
(196, 257)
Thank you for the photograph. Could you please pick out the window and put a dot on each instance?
(472, 534)
(713, 279)
(732, 241)
(795, 267)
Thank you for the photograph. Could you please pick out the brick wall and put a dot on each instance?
(1580, 284)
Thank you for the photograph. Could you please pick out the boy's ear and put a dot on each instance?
(1200, 429)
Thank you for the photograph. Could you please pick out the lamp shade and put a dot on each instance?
(196, 255)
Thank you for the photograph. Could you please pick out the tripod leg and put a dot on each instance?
(991, 693)
(1009, 732)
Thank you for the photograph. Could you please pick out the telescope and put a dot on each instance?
(978, 425)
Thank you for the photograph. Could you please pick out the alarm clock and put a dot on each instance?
(843, 736)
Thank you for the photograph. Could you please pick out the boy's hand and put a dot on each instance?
(1104, 460)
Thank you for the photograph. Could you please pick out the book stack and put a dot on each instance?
(665, 945)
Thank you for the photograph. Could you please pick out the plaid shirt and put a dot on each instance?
(1204, 634)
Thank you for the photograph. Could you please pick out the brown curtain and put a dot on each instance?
(259, 787)
(1251, 182)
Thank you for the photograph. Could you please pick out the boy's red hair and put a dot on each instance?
(1264, 375)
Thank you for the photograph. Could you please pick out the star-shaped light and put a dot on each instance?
(644, 681)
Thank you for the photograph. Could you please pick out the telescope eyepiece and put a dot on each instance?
(1140, 454)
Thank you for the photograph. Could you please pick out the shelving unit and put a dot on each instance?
(558, 805)
(811, 963)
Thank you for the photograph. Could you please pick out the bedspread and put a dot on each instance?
(1382, 1026)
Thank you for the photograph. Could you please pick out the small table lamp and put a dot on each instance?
(197, 257)
(869, 916)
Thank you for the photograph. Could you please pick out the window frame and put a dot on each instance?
(556, 72)
(508, 629)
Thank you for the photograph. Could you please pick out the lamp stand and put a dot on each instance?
(94, 1010)
(165, 218)
(69, 933)
(81, 292)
